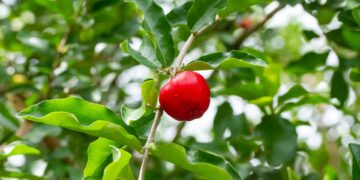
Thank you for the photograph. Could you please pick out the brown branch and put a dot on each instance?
(239, 41)
(60, 50)
(179, 60)
(148, 143)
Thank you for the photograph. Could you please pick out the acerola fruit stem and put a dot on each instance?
(186, 96)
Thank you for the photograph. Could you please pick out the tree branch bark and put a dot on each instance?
(239, 41)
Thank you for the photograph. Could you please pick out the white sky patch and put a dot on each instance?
(4, 11)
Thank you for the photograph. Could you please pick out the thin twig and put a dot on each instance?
(60, 50)
(179, 129)
(179, 60)
(174, 69)
(148, 142)
(256, 27)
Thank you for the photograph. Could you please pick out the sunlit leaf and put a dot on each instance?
(225, 61)
(119, 168)
(18, 175)
(99, 156)
(204, 164)
(310, 99)
(18, 149)
(79, 115)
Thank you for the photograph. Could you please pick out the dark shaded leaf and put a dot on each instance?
(296, 91)
(178, 15)
(279, 138)
(339, 87)
(159, 29)
(308, 63)
(239, 6)
(355, 151)
(355, 74)
(203, 13)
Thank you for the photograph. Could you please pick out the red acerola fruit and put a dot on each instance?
(246, 23)
(186, 96)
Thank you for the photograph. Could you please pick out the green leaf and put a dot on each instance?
(18, 149)
(325, 15)
(307, 63)
(239, 6)
(158, 27)
(177, 16)
(312, 99)
(149, 94)
(339, 87)
(204, 164)
(145, 55)
(65, 7)
(18, 175)
(7, 119)
(248, 91)
(222, 120)
(355, 74)
(347, 18)
(119, 168)
(203, 13)
(351, 37)
(290, 2)
(79, 115)
(270, 78)
(99, 153)
(279, 138)
(244, 146)
(294, 92)
(291, 174)
(225, 61)
(355, 151)
(356, 14)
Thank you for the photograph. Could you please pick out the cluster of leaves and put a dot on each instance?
(68, 67)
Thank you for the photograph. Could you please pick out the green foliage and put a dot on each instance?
(279, 138)
(159, 30)
(225, 61)
(203, 12)
(355, 151)
(79, 115)
(205, 164)
(77, 99)
(99, 153)
(18, 149)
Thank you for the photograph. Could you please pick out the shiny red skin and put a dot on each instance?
(186, 96)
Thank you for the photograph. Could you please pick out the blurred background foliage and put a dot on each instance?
(293, 119)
